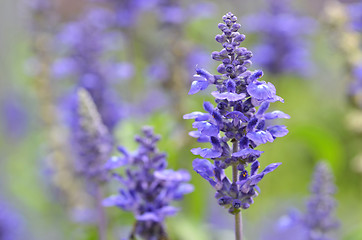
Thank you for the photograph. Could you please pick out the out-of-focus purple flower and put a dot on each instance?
(318, 218)
(355, 15)
(283, 36)
(86, 43)
(147, 186)
(10, 223)
(14, 117)
(355, 88)
(92, 141)
(317, 223)
(176, 13)
(234, 121)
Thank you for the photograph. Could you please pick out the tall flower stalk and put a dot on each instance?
(147, 187)
(94, 145)
(236, 126)
(319, 219)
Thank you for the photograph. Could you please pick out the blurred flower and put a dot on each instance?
(283, 41)
(355, 14)
(15, 119)
(92, 141)
(87, 42)
(319, 218)
(148, 187)
(10, 223)
(317, 223)
(235, 120)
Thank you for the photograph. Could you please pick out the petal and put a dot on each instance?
(206, 128)
(254, 168)
(204, 168)
(271, 167)
(263, 107)
(261, 90)
(278, 130)
(236, 115)
(276, 114)
(197, 86)
(206, 152)
(208, 107)
(198, 116)
(230, 96)
(260, 137)
(148, 216)
(199, 136)
(247, 152)
(111, 201)
(174, 176)
(168, 211)
(116, 162)
(205, 74)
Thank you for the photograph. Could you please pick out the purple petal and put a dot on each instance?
(236, 115)
(208, 107)
(271, 167)
(200, 137)
(247, 152)
(254, 168)
(260, 137)
(198, 116)
(276, 114)
(231, 97)
(205, 74)
(206, 128)
(168, 211)
(115, 162)
(206, 152)
(261, 90)
(148, 216)
(256, 178)
(278, 130)
(263, 107)
(111, 201)
(197, 86)
(204, 168)
(173, 176)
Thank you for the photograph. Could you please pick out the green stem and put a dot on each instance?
(238, 219)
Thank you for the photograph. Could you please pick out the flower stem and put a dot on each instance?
(238, 220)
(102, 225)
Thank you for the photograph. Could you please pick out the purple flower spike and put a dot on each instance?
(148, 187)
(237, 124)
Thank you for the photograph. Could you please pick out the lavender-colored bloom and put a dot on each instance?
(283, 46)
(319, 218)
(355, 88)
(10, 223)
(234, 121)
(92, 141)
(86, 43)
(317, 223)
(14, 117)
(147, 186)
(355, 15)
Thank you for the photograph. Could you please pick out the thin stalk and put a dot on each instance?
(102, 223)
(238, 219)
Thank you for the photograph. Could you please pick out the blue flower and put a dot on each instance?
(147, 186)
(238, 123)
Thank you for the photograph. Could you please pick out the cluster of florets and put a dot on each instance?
(87, 47)
(91, 138)
(148, 187)
(283, 47)
(234, 120)
(320, 206)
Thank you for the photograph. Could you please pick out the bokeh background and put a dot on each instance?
(149, 62)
